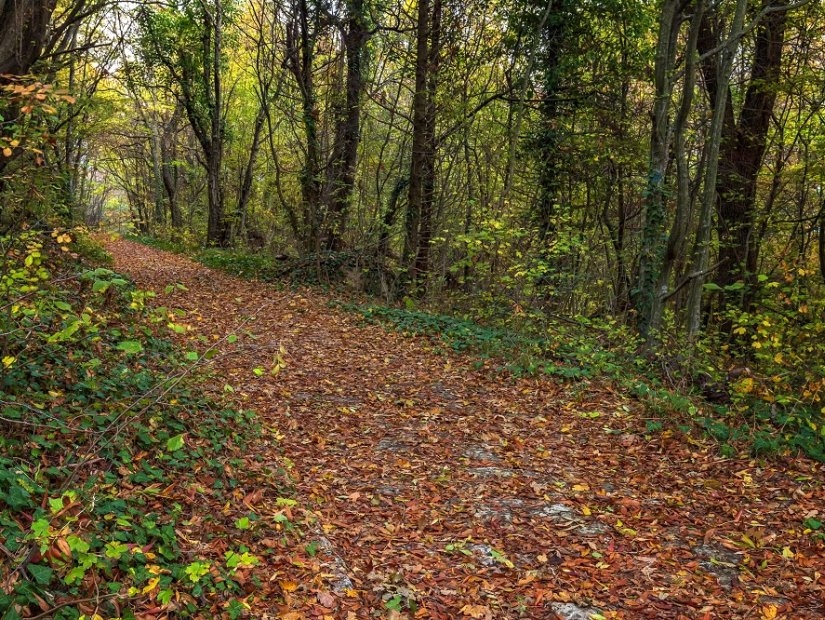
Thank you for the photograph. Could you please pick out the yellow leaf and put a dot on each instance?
(8, 361)
(153, 583)
(586, 511)
(289, 586)
(787, 553)
(745, 386)
(769, 612)
(7, 152)
(578, 488)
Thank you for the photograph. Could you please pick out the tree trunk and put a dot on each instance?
(675, 246)
(24, 25)
(646, 294)
(348, 134)
(168, 172)
(301, 57)
(717, 73)
(245, 193)
(217, 232)
(740, 159)
(421, 196)
(548, 140)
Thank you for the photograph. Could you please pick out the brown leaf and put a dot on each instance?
(326, 599)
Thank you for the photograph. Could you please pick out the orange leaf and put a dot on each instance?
(477, 611)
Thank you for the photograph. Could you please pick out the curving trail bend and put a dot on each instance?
(437, 490)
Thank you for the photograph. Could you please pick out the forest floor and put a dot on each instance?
(436, 488)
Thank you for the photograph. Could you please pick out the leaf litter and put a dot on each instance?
(429, 488)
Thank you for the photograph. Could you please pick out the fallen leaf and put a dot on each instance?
(477, 611)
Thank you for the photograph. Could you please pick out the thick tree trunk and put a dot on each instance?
(548, 140)
(740, 159)
(300, 58)
(217, 226)
(421, 196)
(348, 134)
(23, 28)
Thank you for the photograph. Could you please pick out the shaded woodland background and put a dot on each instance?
(639, 177)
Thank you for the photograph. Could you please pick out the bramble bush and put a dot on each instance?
(97, 417)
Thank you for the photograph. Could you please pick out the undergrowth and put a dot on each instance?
(102, 426)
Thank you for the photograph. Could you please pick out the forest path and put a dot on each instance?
(444, 491)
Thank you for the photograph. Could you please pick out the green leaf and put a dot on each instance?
(173, 444)
(66, 333)
(100, 286)
(395, 603)
(258, 371)
(75, 575)
(165, 596)
(115, 549)
(192, 356)
(130, 347)
(243, 523)
(232, 339)
(812, 524)
(40, 529)
(41, 574)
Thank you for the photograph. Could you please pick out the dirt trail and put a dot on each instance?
(443, 491)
